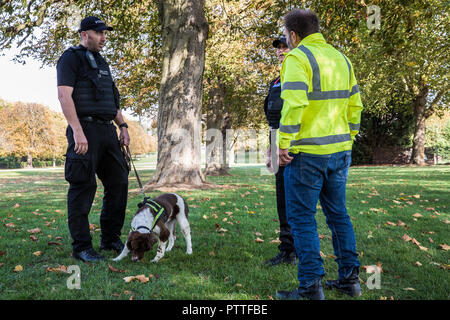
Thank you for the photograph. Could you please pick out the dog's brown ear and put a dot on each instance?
(131, 236)
(150, 240)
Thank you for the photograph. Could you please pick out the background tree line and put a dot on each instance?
(402, 67)
(32, 135)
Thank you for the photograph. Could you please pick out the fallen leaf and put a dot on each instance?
(259, 240)
(423, 248)
(391, 223)
(16, 205)
(114, 269)
(142, 278)
(238, 285)
(129, 279)
(10, 225)
(444, 247)
(417, 215)
(373, 268)
(277, 241)
(222, 230)
(127, 292)
(54, 243)
(258, 234)
(417, 196)
(211, 253)
(37, 253)
(409, 289)
(60, 268)
(401, 223)
(18, 268)
(34, 238)
(35, 230)
(406, 237)
(2, 253)
(418, 264)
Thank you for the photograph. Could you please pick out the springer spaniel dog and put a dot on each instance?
(144, 228)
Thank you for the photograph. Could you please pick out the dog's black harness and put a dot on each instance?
(157, 208)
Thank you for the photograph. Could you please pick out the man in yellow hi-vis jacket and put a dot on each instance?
(319, 121)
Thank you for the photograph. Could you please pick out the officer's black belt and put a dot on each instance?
(92, 119)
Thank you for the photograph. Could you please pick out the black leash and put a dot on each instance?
(127, 153)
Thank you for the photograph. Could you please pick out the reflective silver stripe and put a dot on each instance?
(349, 70)
(326, 95)
(290, 128)
(294, 85)
(320, 141)
(355, 89)
(314, 67)
(354, 126)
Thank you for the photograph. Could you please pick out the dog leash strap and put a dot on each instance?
(135, 172)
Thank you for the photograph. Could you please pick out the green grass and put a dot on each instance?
(228, 264)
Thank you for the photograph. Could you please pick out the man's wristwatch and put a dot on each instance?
(123, 125)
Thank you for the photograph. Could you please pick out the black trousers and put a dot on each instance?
(105, 159)
(287, 241)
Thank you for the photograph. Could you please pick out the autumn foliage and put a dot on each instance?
(31, 133)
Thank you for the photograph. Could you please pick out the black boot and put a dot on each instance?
(349, 286)
(88, 255)
(114, 245)
(282, 257)
(313, 292)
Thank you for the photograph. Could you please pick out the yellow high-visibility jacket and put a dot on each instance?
(322, 106)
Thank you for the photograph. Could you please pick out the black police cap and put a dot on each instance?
(93, 23)
(278, 41)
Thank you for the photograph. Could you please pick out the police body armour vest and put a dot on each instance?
(93, 93)
(274, 104)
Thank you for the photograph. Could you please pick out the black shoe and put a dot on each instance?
(115, 245)
(314, 292)
(88, 255)
(349, 286)
(282, 257)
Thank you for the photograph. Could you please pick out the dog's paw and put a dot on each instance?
(189, 251)
(155, 260)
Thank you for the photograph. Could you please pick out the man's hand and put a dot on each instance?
(268, 159)
(285, 158)
(124, 137)
(81, 143)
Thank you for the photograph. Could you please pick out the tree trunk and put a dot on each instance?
(184, 33)
(217, 123)
(418, 150)
(29, 160)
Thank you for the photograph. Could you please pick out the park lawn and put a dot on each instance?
(383, 202)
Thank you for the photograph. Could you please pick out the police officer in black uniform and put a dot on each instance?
(272, 108)
(90, 102)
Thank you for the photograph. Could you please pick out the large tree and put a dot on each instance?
(156, 53)
(184, 33)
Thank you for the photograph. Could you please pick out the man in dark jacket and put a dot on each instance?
(90, 102)
(272, 108)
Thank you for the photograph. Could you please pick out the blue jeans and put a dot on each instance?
(309, 178)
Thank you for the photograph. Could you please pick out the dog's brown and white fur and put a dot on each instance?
(142, 240)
